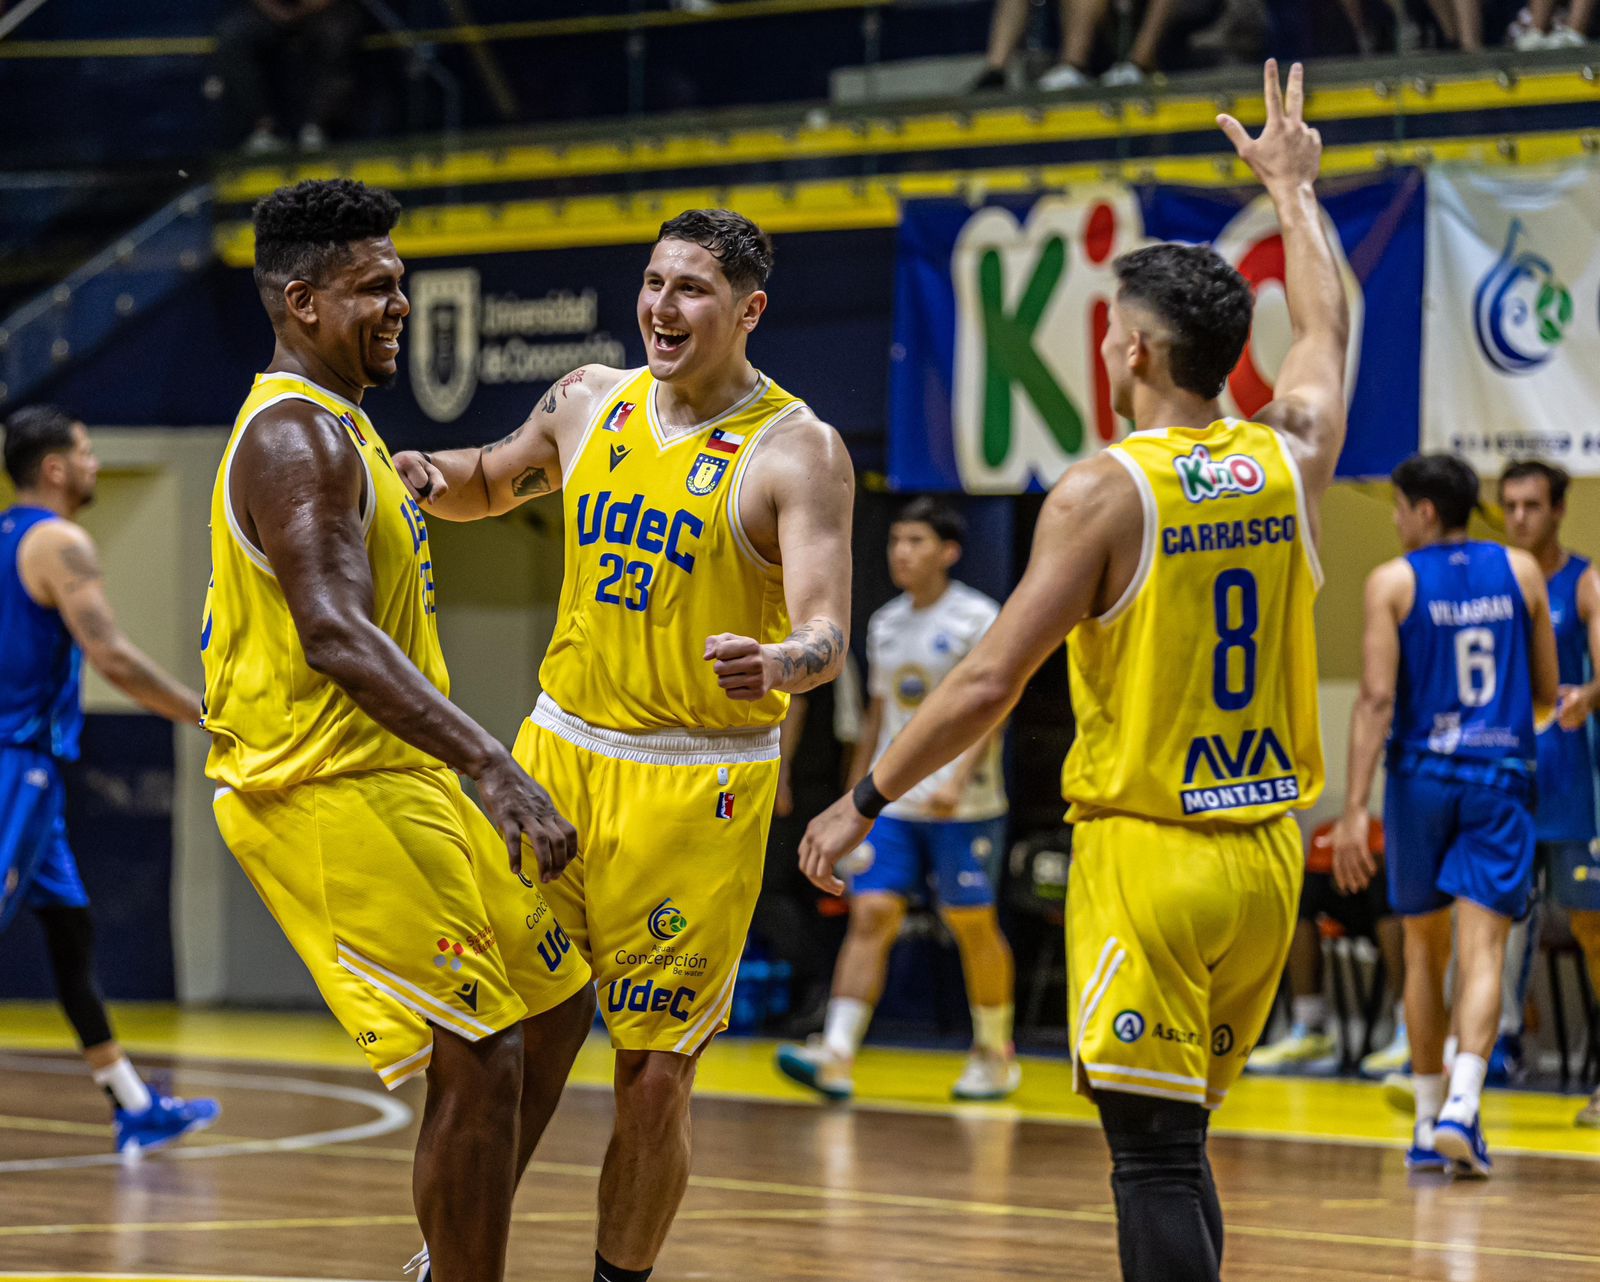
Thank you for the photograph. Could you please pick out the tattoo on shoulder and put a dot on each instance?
(531, 480)
(812, 649)
(81, 567)
(548, 405)
(571, 380)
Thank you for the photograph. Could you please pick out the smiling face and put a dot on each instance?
(689, 316)
(355, 316)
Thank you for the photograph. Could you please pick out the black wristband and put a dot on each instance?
(868, 800)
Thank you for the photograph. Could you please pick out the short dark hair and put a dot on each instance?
(305, 231)
(1445, 481)
(1556, 477)
(31, 435)
(947, 523)
(1205, 303)
(743, 249)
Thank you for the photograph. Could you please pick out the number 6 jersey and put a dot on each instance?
(1463, 705)
(1196, 692)
(657, 561)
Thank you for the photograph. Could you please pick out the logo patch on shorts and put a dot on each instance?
(724, 805)
(667, 921)
(1221, 1039)
(1128, 1026)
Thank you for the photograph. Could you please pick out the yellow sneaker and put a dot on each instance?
(1301, 1046)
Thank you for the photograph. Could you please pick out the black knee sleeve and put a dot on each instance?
(69, 936)
(1169, 1223)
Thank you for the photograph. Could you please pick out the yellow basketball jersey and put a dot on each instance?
(1196, 693)
(657, 561)
(273, 721)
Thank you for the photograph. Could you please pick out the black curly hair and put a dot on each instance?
(1205, 303)
(305, 231)
(743, 249)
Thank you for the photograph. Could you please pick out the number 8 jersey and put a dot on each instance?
(1196, 692)
(1464, 698)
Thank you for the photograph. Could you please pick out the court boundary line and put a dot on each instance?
(393, 1115)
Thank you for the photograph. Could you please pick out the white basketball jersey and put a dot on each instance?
(909, 652)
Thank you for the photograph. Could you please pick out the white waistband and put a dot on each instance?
(659, 747)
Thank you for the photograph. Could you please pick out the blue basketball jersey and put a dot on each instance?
(1464, 699)
(41, 703)
(1566, 766)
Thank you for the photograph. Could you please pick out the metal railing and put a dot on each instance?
(75, 317)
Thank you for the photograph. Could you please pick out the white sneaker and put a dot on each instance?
(1392, 1058)
(988, 1077)
(263, 142)
(1124, 76)
(1400, 1093)
(1301, 1046)
(419, 1266)
(814, 1065)
(312, 138)
(1564, 37)
(1062, 77)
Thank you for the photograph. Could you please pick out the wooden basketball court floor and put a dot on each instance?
(307, 1175)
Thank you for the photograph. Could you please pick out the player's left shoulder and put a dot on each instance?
(800, 454)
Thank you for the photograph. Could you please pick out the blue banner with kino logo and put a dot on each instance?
(996, 384)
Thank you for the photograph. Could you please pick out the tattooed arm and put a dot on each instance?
(796, 509)
(61, 571)
(470, 484)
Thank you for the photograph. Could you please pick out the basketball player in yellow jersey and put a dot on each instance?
(707, 578)
(1183, 563)
(337, 748)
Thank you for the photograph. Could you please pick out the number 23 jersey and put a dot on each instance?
(1196, 693)
(657, 561)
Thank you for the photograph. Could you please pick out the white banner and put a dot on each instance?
(1511, 331)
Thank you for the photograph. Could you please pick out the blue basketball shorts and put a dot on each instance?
(1447, 839)
(962, 858)
(36, 864)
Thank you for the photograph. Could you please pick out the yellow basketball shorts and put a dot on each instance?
(396, 892)
(672, 834)
(1176, 940)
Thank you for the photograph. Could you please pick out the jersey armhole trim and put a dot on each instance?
(1147, 549)
(1307, 542)
(741, 466)
(257, 557)
(628, 376)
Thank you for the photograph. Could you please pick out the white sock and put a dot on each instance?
(991, 1028)
(1451, 1045)
(846, 1026)
(1466, 1087)
(1310, 1012)
(1430, 1095)
(122, 1080)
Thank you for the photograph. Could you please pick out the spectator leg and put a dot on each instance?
(1079, 21)
(246, 41)
(1145, 53)
(1005, 32)
(327, 42)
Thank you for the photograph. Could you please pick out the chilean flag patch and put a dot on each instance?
(724, 442)
(724, 805)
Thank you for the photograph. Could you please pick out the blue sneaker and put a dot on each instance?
(1506, 1067)
(1422, 1156)
(1464, 1146)
(167, 1119)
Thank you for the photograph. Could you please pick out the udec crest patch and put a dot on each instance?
(705, 474)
